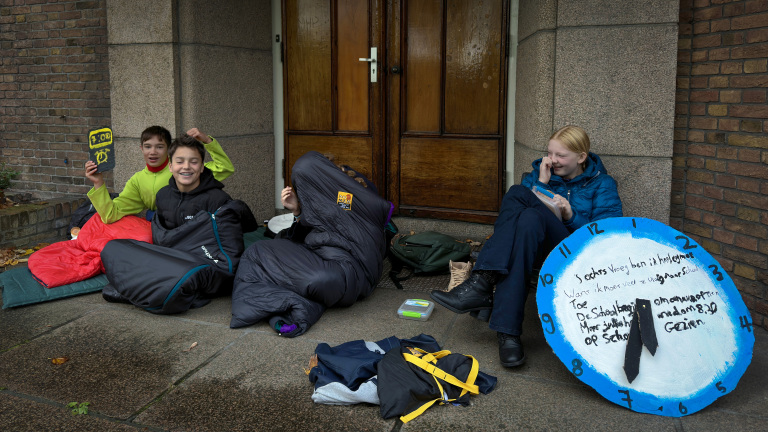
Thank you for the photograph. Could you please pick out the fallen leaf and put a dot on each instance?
(59, 360)
(312, 364)
(194, 344)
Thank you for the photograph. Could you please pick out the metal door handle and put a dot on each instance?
(372, 60)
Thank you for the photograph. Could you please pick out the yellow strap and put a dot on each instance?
(468, 386)
(426, 362)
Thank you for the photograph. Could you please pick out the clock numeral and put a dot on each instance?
(688, 244)
(634, 224)
(683, 409)
(547, 319)
(546, 279)
(565, 252)
(577, 370)
(744, 321)
(627, 399)
(661, 408)
(720, 387)
(593, 229)
(716, 272)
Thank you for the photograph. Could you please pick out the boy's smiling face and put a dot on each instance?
(155, 151)
(186, 166)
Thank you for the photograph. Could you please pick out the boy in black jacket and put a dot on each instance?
(192, 187)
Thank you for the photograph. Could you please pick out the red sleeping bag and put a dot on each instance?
(75, 260)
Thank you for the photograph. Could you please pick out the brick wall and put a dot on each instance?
(29, 224)
(720, 164)
(54, 88)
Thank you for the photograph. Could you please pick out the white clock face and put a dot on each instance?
(587, 291)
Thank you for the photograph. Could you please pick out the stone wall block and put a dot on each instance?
(618, 83)
(598, 12)
(533, 95)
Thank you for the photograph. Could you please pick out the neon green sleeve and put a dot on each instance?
(112, 210)
(221, 166)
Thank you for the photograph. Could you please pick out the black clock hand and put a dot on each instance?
(641, 332)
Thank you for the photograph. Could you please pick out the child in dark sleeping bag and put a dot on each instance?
(331, 256)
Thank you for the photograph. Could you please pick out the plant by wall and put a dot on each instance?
(6, 175)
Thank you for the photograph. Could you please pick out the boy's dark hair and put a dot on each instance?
(157, 131)
(186, 141)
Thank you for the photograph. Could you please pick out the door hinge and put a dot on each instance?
(282, 169)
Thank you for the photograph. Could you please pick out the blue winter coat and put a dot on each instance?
(592, 194)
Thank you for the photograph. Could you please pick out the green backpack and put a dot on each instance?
(426, 252)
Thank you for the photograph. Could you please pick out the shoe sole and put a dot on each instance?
(514, 364)
(452, 309)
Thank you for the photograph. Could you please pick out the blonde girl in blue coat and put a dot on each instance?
(526, 230)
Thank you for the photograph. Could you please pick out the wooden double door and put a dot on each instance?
(425, 120)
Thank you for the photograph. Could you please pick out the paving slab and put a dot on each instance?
(375, 318)
(526, 403)
(257, 384)
(718, 420)
(751, 394)
(471, 336)
(21, 324)
(119, 360)
(23, 415)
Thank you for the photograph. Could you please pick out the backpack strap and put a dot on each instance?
(397, 268)
(426, 362)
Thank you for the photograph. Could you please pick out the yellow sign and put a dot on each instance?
(100, 138)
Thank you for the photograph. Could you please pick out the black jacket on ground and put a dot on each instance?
(336, 263)
(185, 266)
(175, 207)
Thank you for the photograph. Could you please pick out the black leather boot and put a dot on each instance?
(511, 351)
(473, 294)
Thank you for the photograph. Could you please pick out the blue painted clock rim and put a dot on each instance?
(640, 401)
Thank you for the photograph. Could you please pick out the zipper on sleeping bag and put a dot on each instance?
(218, 239)
(178, 286)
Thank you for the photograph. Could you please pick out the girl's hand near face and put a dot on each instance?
(290, 201)
(90, 173)
(565, 207)
(545, 170)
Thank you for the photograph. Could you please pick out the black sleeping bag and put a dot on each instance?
(336, 263)
(184, 267)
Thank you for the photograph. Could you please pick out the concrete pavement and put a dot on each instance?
(135, 370)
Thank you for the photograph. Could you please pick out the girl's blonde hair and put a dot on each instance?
(574, 139)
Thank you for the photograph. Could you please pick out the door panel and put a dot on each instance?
(422, 94)
(352, 151)
(308, 83)
(462, 182)
(353, 75)
(472, 66)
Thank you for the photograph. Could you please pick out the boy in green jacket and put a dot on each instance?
(140, 190)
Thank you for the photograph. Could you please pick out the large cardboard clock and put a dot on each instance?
(645, 316)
